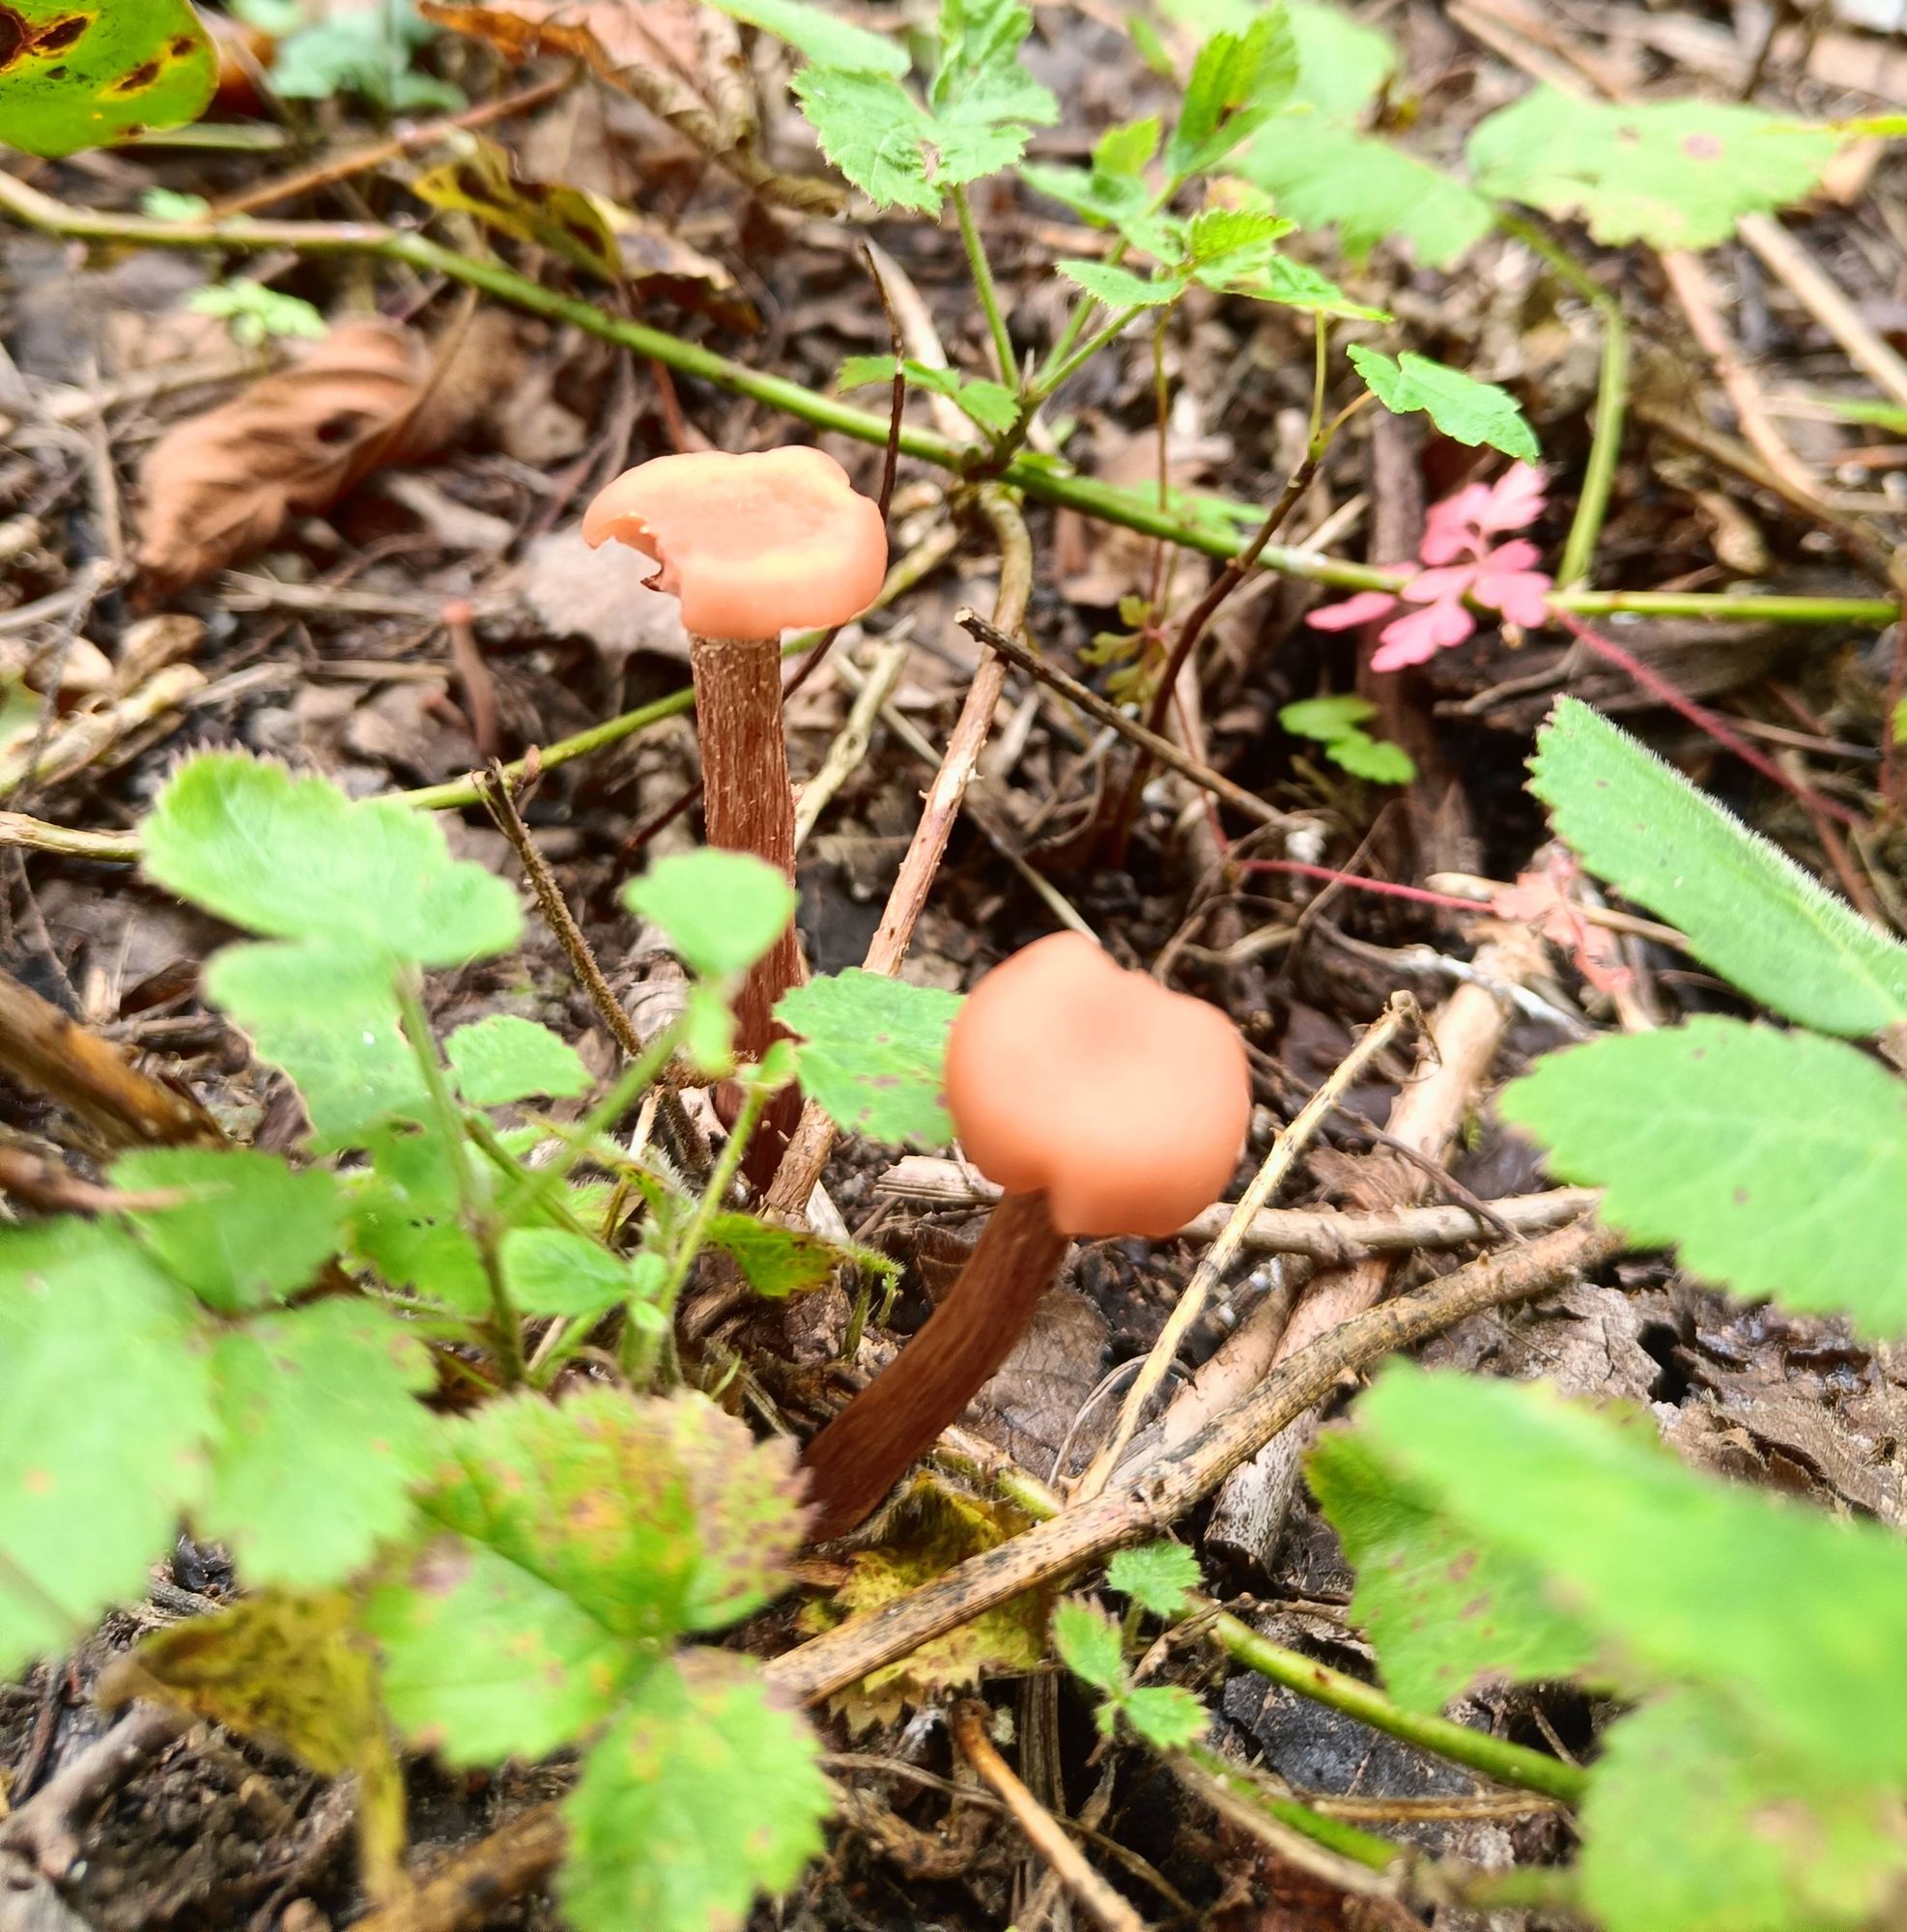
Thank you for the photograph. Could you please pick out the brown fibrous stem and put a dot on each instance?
(859, 1456)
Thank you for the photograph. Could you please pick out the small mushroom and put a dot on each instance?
(752, 546)
(1103, 1104)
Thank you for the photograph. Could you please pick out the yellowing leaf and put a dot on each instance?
(81, 73)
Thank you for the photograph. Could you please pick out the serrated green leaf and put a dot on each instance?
(873, 130)
(983, 100)
(1159, 1577)
(1324, 174)
(1693, 1824)
(251, 1230)
(702, 1794)
(1675, 174)
(405, 1220)
(1107, 201)
(1127, 149)
(823, 37)
(1746, 909)
(1240, 236)
(1238, 82)
(503, 1057)
(775, 1261)
(721, 911)
(1464, 409)
(1342, 63)
(553, 1271)
(992, 404)
(1793, 1619)
(1294, 284)
(1164, 1715)
(1120, 288)
(1776, 1162)
(1444, 1610)
(320, 1437)
(83, 73)
(874, 1053)
(296, 858)
(101, 1432)
(1089, 1645)
(327, 1015)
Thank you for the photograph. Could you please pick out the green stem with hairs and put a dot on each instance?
(984, 285)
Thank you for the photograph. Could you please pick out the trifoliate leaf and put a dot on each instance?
(101, 1432)
(1776, 1162)
(874, 1053)
(1238, 82)
(1746, 909)
(1675, 174)
(1120, 288)
(823, 37)
(1444, 1610)
(702, 1794)
(83, 73)
(1159, 1577)
(553, 1271)
(1324, 174)
(287, 1671)
(320, 1437)
(1166, 1715)
(327, 1015)
(1089, 1645)
(501, 1058)
(1467, 410)
(405, 1220)
(249, 1230)
(721, 911)
(296, 858)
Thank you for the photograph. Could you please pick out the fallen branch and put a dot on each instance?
(47, 1828)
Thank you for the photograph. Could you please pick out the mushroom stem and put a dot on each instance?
(747, 805)
(860, 1455)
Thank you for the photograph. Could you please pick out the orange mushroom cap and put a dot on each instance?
(752, 545)
(1126, 1103)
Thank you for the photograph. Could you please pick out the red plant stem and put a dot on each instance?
(859, 1456)
(1702, 719)
(1363, 884)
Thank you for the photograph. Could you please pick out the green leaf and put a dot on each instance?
(296, 858)
(327, 1015)
(1164, 1715)
(1325, 175)
(874, 1053)
(254, 313)
(983, 100)
(406, 1220)
(1746, 909)
(1088, 1642)
(1127, 150)
(702, 1795)
(1293, 284)
(1342, 63)
(366, 51)
(873, 131)
(721, 911)
(165, 203)
(1694, 1826)
(1108, 200)
(101, 1432)
(1675, 174)
(501, 1058)
(320, 1437)
(824, 38)
(1464, 409)
(1326, 719)
(1444, 1610)
(1794, 1619)
(775, 1261)
(553, 1271)
(992, 404)
(1159, 1577)
(250, 1229)
(1120, 288)
(1776, 1162)
(1376, 760)
(83, 73)
(1238, 82)
(578, 1541)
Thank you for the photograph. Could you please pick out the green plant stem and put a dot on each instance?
(1133, 509)
(471, 1196)
(983, 284)
(512, 1170)
(1347, 1841)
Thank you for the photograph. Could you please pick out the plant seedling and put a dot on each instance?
(1103, 1104)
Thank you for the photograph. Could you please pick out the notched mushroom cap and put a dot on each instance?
(1126, 1103)
(752, 545)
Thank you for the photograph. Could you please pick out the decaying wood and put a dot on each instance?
(464, 1892)
(47, 1829)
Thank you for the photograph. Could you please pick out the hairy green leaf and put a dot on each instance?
(1776, 1162)
(1746, 910)
(361, 51)
(1159, 1577)
(248, 1229)
(296, 858)
(874, 1053)
(1088, 1642)
(1164, 1715)
(1238, 82)
(1464, 409)
(721, 911)
(501, 1058)
(701, 1794)
(82, 74)
(1675, 174)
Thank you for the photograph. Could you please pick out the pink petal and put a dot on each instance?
(1450, 528)
(1520, 554)
(1521, 595)
(1441, 587)
(1366, 607)
(1515, 501)
(1419, 637)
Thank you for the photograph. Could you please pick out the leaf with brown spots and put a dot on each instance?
(288, 1670)
(82, 74)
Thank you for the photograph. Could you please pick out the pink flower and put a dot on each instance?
(1462, 567)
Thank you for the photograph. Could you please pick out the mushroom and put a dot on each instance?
(752, 546)
(1103, 1104)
